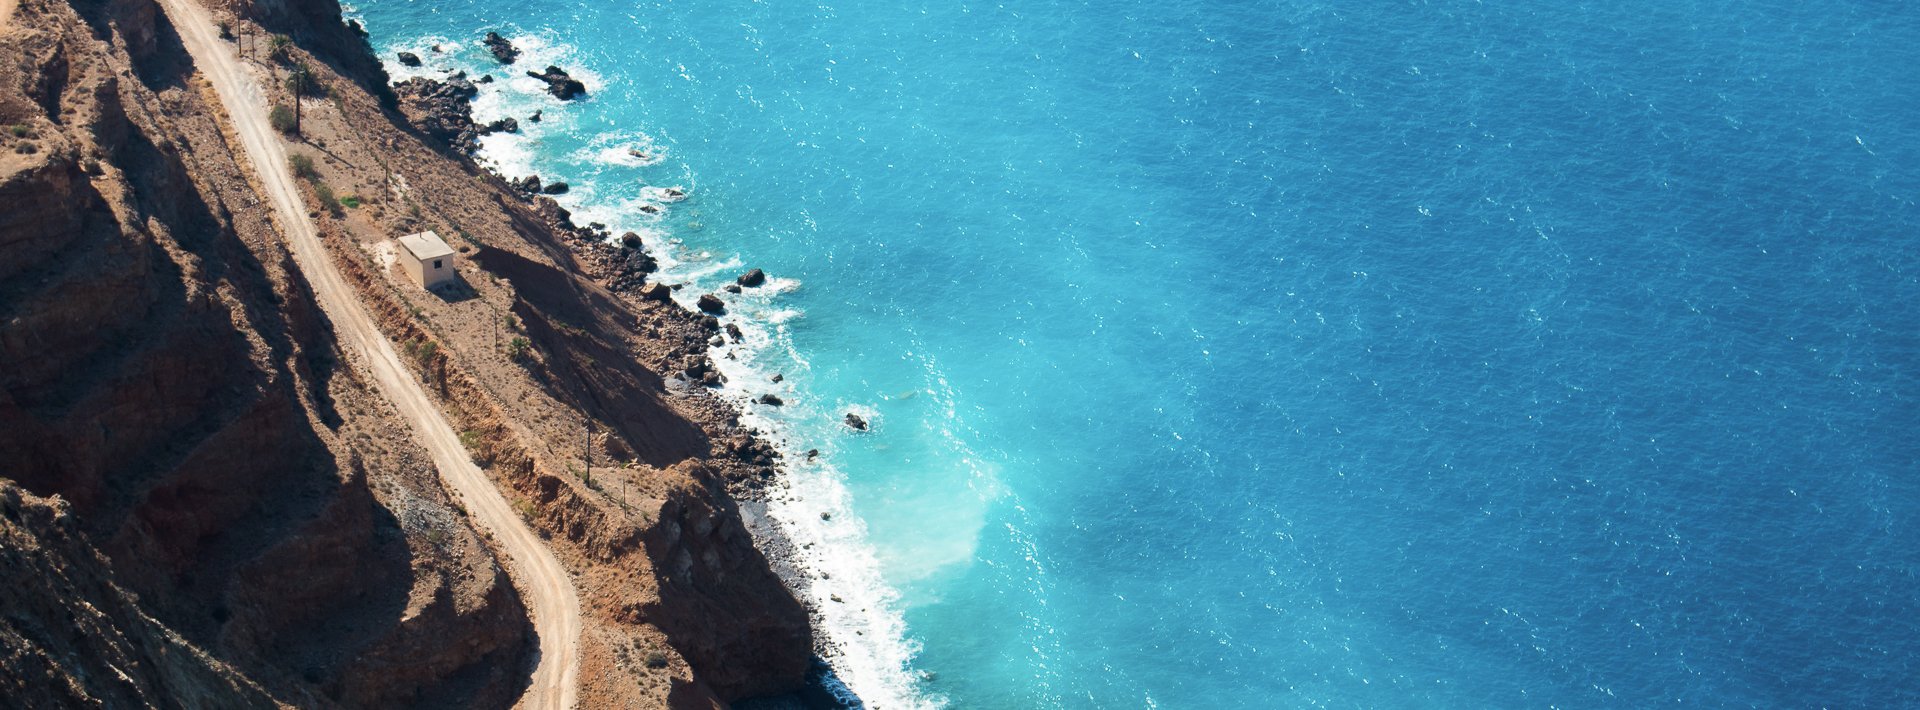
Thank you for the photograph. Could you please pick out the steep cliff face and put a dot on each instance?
(169, 377)
(73, 638)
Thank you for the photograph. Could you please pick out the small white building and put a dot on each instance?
(427, 258)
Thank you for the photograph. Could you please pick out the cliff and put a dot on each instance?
(228, 481)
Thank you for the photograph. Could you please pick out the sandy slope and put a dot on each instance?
(547, 589)
(6, 11)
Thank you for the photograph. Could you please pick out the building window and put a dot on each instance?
(436, 263)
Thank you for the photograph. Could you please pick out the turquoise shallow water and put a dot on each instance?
(1441, 354)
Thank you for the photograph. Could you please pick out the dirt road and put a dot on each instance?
(543, 583)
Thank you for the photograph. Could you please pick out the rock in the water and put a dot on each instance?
(504, 125)
(484, 79)
(731, 288)
(854, 420)
(778, 377)
(733, 331)
(409, 59)
(630, 240)
(771, 400)
(752, 278)
(501, 48)
(555, 188)
(562, 87)
(711, 304)
(535, 118)
(529, 184)
(813, 453)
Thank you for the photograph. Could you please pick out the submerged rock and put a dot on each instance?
(501, 48)
(752, 278)
(854, 420)
(563, 87)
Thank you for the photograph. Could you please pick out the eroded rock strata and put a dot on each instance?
(198, 469)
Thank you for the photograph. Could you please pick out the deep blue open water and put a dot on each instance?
(1288, 353)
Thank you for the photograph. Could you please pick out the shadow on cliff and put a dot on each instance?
(573, 325)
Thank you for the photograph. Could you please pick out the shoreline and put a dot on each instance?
(758, 499)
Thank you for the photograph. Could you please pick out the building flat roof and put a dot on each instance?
(426, 245)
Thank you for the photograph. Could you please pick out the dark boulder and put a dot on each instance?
(770, 400)
(752, 278)
(555, 188)
(733, 331)
(409, 59)
(655, 292)
(504, 125)
(501, 48)
(563, 87)
(731, 288)
(484, 79)
(535, 118)
(529, 184)
(854, 420)
(630, 240)
(711, 304)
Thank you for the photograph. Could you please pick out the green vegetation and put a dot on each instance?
(470, 438)
(422, 351)
(351, 201)
(520, 349)
(282, 119)
(302, 167)
(279, 47)
(324, 193)
(656, 659)
(302, 82)
(20, 130)
(524, 507)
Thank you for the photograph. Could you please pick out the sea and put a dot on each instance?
(1287, 353)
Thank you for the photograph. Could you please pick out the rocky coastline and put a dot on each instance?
(681, 579)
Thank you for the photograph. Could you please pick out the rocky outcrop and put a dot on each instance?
(409, 59)
(752, 278)
(443, 110)
(562, 86)
(710, 303)
(71, 637)
(502, 49)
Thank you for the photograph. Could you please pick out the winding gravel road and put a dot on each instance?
(542, 581)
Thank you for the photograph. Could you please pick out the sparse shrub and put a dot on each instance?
(302, 166)
(436, 536)
(20, 130)
(427, 351)
(324, 193)
(226, 31)
(301, 81)
(524, 507)
(279, 47)
(470, 438)
(281, 118)
(656, 659)
(351, 201)
(26, 148)
(511, 321)
(520, 349)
